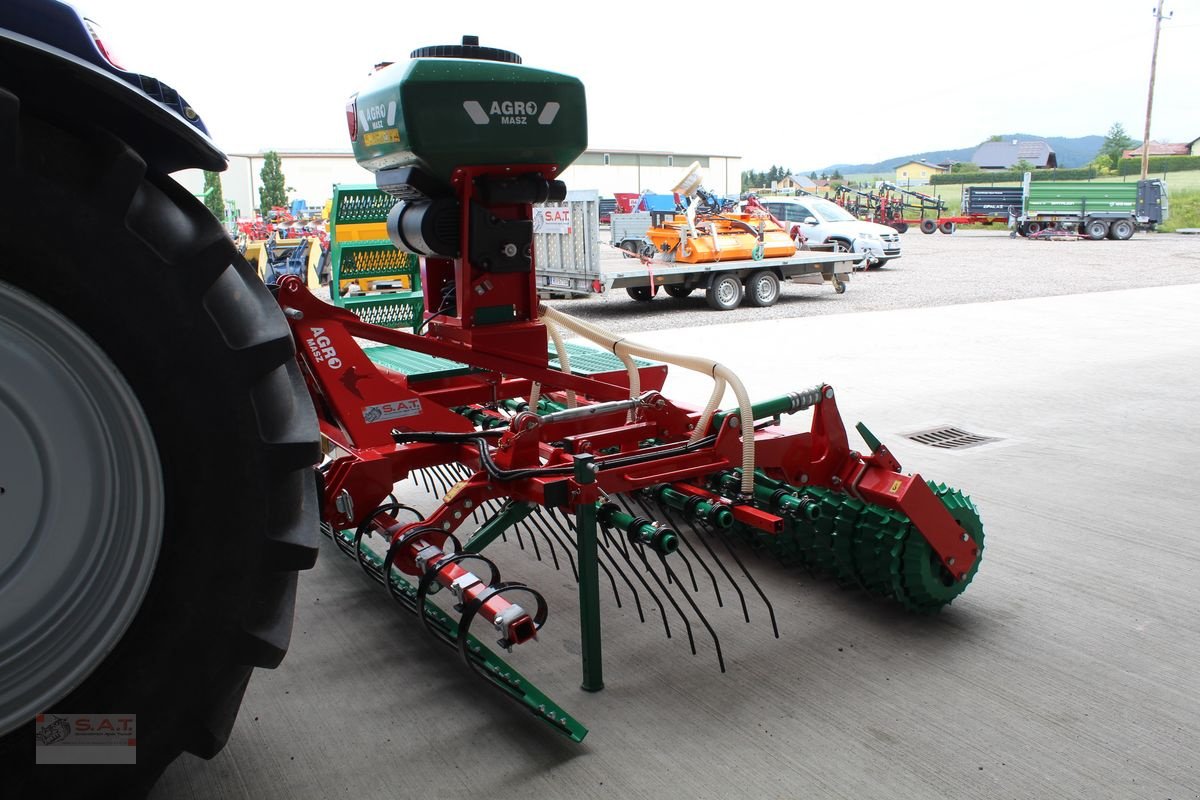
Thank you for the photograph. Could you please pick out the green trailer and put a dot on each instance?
(1095, 209)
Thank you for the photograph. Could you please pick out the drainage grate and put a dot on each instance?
(950, 438)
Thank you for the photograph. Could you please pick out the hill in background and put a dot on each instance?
(1071, 151)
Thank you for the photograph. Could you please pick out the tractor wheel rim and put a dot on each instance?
(81, 496)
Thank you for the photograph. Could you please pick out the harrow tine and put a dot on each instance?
(532, 539)
(741, 597)
(650, 513)
(567, 531)
(550, 541)
(670, 598)
(749, 577)
(699, 613)
(695, 553)
(608, 536)
(424, 480)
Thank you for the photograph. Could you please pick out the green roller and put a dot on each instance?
(857, 543)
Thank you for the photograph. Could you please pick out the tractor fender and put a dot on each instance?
(49, 59)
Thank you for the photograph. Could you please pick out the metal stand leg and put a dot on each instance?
(589, 581)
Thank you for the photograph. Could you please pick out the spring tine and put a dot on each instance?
(741, 597)
(670, 598)
(696, 554)
(754, 583)
(532, 539)
(533, 520)
(609, 537)
(699, 613)
(554, 529)
(652, 514)
(425, 480)
(444, 481)
(612, 581)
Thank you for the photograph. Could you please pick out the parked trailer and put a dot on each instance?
(1095, 209)
(727, 283)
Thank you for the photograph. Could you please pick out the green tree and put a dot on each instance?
(964, 166)
(995, 138)
(1115, 141)
(213, 198)
(837, 175)
(274, 189)
(1023, 166)
(812, 175)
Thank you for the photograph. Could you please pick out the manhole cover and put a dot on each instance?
(949, 438)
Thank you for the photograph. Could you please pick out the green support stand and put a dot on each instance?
(589, 581)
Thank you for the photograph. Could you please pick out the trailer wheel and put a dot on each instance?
(161, 547)
(1095, 229)
(678, 290)
(947, 228)
(762, 289)
(1032, 227)
(643, 294)
(928, 226)
(1121, 229)
(725, 293)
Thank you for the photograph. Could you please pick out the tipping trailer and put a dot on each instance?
(1095, 209)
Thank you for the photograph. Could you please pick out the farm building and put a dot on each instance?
(1191, 148)
(1004, 155)
(917, 173)
(311, 174)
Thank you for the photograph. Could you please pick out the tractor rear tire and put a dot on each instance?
(150, 284)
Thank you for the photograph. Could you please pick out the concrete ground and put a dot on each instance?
(1068, 669)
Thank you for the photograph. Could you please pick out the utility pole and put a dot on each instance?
(1158, 18)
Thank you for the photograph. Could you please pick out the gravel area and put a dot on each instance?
(971, 266)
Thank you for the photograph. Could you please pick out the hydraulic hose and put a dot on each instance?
(623, 348)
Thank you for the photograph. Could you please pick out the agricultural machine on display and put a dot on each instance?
(160, 409)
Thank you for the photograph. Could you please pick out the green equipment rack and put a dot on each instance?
(370, 277)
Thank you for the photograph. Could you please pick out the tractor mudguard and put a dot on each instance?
(49, 57)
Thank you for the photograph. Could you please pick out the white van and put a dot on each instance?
(822, 221)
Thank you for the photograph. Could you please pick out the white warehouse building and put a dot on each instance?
(311, 174)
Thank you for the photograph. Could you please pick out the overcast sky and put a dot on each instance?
(802, 84)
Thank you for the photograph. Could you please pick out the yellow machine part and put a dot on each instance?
(256, 254)
(720, 238)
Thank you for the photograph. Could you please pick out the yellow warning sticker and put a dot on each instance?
(895, 486)
(385, 136)
(453, 493)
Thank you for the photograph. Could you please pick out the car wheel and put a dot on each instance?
(1096, 229)
(725, 293)
(643, 294)
(762, 289)
(1121, 229)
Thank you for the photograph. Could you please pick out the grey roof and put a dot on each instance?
(803, 181)
(1002, 155)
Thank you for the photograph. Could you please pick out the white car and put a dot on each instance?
(822, 221)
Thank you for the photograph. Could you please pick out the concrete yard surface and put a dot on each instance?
(1068, 669)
